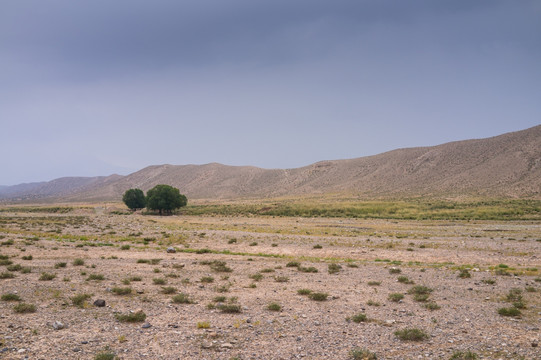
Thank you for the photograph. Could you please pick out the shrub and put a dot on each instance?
(121, 290)
(421, 297)
(219, 299)
(317, 246)
(230, 308)
(256, 277)
(78, 262)
(510, 311)
(359, 318)
(24, 308)
(404, 280)
(374, 283)
(489, 281)
(394, 270)
(304, 291)
(220, 266)
(420, 290)
(232, 241)
(169, 290)
(46, 276)
(203, 325)
(293, 264)
(318, 296)
(281, 279)
(362, 354)
(514, 295)
(468, 355)
(105, 355)
(396, 297)
(131, 317)
(60, 265)
(274, 307)
(79, 300)
(11, 297)
(334, 268)
(159, 281)
(6, 275)
(14, 267)
(411, 334)
(5, 262)
(96, 277)
(464, 274)
(253, 243)
(207, 279)
(309, 269)
(29, 257)
(135, 278)
(125, 247)
(182, 299)
(432, 306)
(372, 303)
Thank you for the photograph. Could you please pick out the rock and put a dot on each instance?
(171, 250)
(140, 291)
(535, 343)
(99, 303)
(146, 325)
(76, 350)
(57, 325)
(227, 346)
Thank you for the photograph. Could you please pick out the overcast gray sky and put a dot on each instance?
(95, 87)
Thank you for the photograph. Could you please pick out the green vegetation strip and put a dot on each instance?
(398, 210)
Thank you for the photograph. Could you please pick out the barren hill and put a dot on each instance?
(508, 165)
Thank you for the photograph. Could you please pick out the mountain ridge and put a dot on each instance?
(507, 165)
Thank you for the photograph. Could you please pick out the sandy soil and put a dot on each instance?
(427, 253)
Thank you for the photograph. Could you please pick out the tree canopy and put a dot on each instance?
(134, 199)
(165, 198)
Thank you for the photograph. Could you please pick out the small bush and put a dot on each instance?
(362, 354)
(203, 325)
(46, 277)
(232, 241)
(396, 297)
(105, 355)
(281, 279)
(256, 277)
(274, 307)
(219, 299)
(24, 308)
(135, 278)
(96, 277)
(510, 311)
(220, 266)
(14, 267)
(159, 281)
(60, 265)
(394, 270)
(11, 297)
(411, 334)
(182, 299)
(464, 274)
(293, 264)
(131, 317)
(6, 275)
(207, 279)
(359, 318)
(121, 290)
(125, 247)
(421, 297)
(26, 270)
(318, 296)
(317, 246)
(404, 280)
(79, 300)
(29, 257)
(374, 283)
(309, 269)
(334, 268)
(460, 355)
(432, 306)
(267, 270)
(420, 290)
(304, 291)
(169, 290)
(489, 281)
(514, 295)
(230, 308)
(5, 262)
(78, 262)
(253, 243)
(372, 303)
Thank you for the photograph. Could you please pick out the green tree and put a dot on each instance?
(165, 198)
(134, 199)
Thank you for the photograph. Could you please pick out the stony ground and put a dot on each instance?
(249, 262)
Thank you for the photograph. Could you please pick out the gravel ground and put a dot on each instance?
(428, 254)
